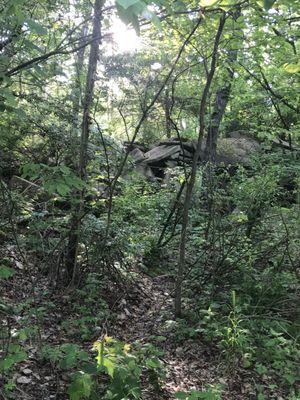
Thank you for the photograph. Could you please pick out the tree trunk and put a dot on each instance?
(77, 91)
(191, 181)
(72, 248)
(89, 89)
(221, 101)
(167, 107)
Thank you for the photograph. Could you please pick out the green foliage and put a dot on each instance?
(12, 354)
(35, 27)
(15, 355)
(249, 283)
(140, 210)
(59, 179)
(235, 339)
(181, 330)
(114, 359)
(124, 369)
(12, 351)
(268, 4)
(65, 356)
(130, 10)
(292, 68)
(6, 272)
(254, 195)
(81, 386)
(213, 392)
(90, 310)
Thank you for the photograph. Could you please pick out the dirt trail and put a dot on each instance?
(189, 363)
(146, 312)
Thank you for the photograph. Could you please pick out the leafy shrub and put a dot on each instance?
(65, 356)
(123, 369)
(57, 179)
(212, 392)
(90, 308)
(12, 351)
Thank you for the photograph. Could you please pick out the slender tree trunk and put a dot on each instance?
(171, 213)
(221, 101)
(167, 107)
(77, 92)
(72, 158)
(72, 249)
(222, 98)
(192, 179)
(90, 84)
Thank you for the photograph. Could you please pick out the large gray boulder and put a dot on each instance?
(236, 150)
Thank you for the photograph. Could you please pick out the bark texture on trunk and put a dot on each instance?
(72, 248)
(192, 179)
(221, 101)
(167, 107)
(89, 88)
(77, 85)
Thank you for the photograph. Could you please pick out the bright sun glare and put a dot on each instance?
(125, 38)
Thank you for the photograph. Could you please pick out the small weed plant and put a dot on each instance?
(118, 372)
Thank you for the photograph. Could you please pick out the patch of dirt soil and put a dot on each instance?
(140, 315)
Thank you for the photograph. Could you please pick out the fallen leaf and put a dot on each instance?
(23, 380)
(26, 371)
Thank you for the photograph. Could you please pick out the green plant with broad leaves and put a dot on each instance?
(90, 309)
(123, 369)
(65, 356)
(12, 351)
(211, 392)
(59, 179)
(235, 338)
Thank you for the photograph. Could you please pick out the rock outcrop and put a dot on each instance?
(233, 150)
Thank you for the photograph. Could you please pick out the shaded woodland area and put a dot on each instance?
(149, 194)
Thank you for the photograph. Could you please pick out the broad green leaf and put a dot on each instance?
(129, 16)
(268, 4)
(36, 27)
(110, 366)
(127, 3)
(81, 386)
(6, 309)
(32, 46)
(20, 112)
(227, 4)
(148, 14)
(15, 355)
(90, 368)
(130, 10)
(10, 99)
(62, 189)
(196, 395)
(160, 338)
(6, 272)
(292, 68)
(152, 363)
(181, 395)
(208, 3)
(290, 378)
(17, 2)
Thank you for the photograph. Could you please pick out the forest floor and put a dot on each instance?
(140, 314)
(189, 363)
